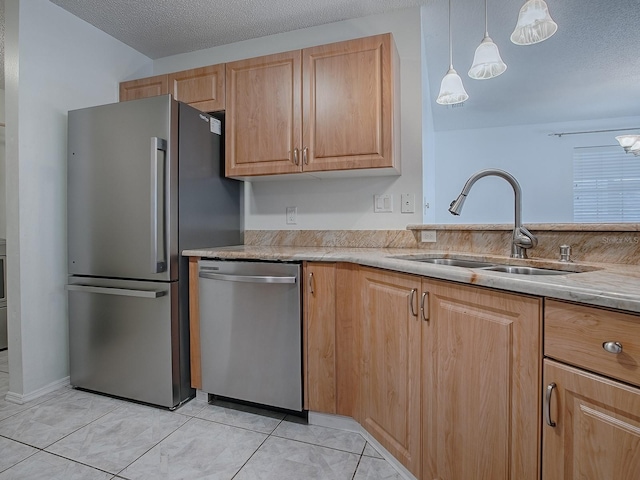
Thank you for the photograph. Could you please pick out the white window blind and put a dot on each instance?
(606, 185)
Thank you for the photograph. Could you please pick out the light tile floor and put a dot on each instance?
(74, 435)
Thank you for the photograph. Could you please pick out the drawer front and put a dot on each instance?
(578, 334)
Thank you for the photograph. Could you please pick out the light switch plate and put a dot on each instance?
(383, 203)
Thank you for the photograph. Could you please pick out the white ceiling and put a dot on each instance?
(589, 69)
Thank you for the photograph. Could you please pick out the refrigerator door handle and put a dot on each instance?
(123, 292)
(158, 258)
(247, 278)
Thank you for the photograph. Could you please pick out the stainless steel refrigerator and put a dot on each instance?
(144, 181)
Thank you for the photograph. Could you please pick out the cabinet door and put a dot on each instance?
(143, 88)
(320, 337)
(597, 427)
(264, 115)
(348, 95)
(480, 394)
(390, 376)
(202, 88)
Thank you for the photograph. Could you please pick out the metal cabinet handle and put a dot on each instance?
(612, 347)
(246, 278)
(412, 296)
(305, 155)
(424, 306)
(122, 292)
(296, 160)
(311, 283)
(158, 259)
(547, 405)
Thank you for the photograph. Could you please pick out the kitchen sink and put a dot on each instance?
(523, 270)
(454, 262)
(489, 266)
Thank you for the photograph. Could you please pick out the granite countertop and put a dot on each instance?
(606, 285)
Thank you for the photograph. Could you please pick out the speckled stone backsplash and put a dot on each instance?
(601, 243)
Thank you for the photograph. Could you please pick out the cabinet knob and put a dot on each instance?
(612, 347)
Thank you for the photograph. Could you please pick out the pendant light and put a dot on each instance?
(534, 24)
(487, 62)
(451, 89)
(630, 143)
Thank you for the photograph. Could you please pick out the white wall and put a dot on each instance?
(542, 164)
(3, 175)
(54, 63)
(335, 203)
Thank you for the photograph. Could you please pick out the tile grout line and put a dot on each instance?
(156, 444)
(256, 450)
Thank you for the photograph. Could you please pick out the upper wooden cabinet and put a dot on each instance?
(263, 116)
(143, 88)
(325, 108)
(202, 88)
(481, 354)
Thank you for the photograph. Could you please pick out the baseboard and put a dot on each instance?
(21, 399)
(349, 424)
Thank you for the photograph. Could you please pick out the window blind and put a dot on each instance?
(606, 185)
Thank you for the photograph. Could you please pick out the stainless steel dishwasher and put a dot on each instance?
(251, 331)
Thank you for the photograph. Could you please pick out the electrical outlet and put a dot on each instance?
(428, 236)
(292, 215)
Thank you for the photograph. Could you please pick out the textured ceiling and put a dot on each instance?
(159, 28)
(588, 69)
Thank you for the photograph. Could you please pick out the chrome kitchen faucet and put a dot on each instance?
(523, 239)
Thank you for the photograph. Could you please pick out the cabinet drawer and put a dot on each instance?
(577, 335)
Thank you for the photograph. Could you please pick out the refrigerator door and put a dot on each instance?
(120, 338)
(122, 190)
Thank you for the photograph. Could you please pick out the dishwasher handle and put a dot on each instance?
(225, 277)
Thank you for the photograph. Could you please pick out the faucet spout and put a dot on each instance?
(523, 239)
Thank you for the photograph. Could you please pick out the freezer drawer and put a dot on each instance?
(120, 339)
(250, 332)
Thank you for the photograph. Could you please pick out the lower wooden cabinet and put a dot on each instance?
(481, 353)
(390, 363)
(593, 427)
(320, 337)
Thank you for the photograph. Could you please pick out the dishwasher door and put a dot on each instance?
(251, 331)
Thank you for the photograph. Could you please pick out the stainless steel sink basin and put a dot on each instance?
(523, 270)
(454, 262)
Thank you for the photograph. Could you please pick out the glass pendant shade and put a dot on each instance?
(630, 143)
(487, 62)
(534, 24)
(451, 89)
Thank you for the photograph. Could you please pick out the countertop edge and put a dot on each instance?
(607, 285)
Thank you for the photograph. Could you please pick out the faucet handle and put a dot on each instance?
(525, 239)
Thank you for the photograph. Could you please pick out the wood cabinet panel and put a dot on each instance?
(202, 88)
(194, 324)
(481, 376)
(597, 431)
(575, 334)
(390, 368)
(348, 95)
(320, 328)
(264, 115)
(144, 87)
